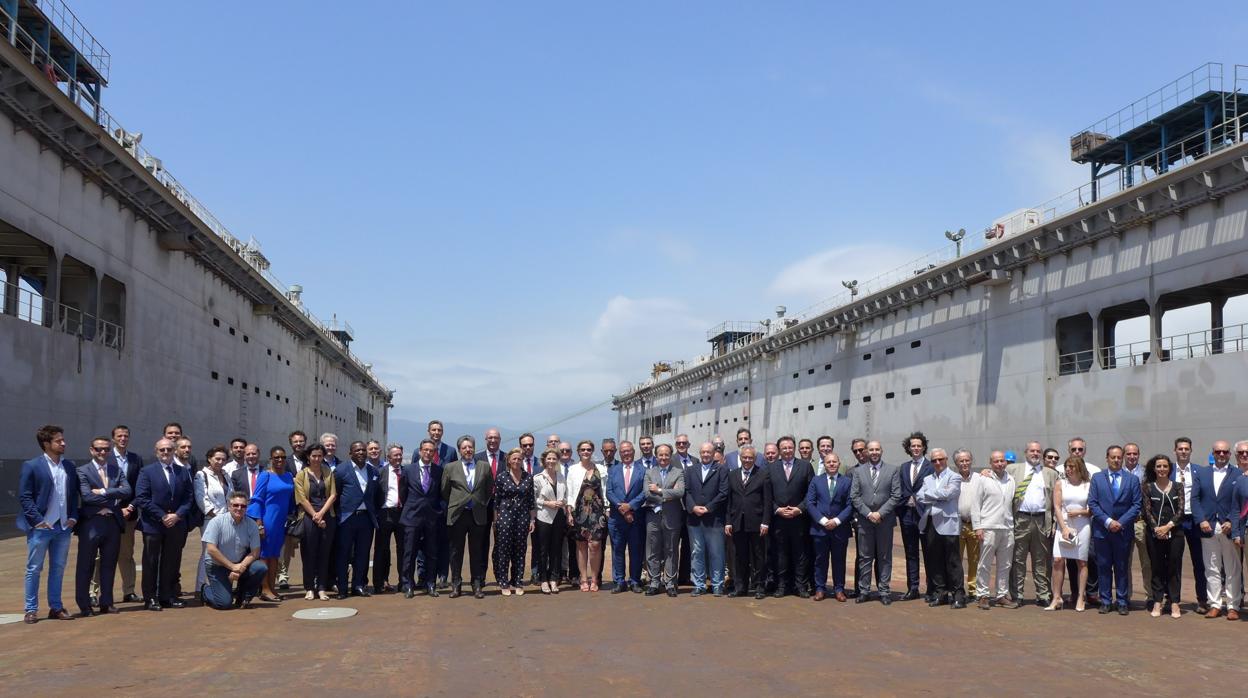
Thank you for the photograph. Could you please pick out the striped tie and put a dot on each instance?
(1022, 487)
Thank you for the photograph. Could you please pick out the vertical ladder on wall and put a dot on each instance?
(242, 413)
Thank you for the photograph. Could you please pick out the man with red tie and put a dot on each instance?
(495, 458)
(389, 512)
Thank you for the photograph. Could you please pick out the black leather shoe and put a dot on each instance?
(697, 591)
(1124, 610)
(886, 599)
(759, 595)
(361, 591)
(283, 586)
(1104, 610)
(637, 589)
(672, 592)
(410, 593)
(862, 598)
(959, 601)
(804, 594)
(778, 593)
(619, 589)
(478, 593)
(174, 603)
(130, 598)
(340, 596)
(433, 591)
(107, 609)
(152, 605)
(910, 595)
(851, 593)
(652, 591)
(84, 613)
(455, 592)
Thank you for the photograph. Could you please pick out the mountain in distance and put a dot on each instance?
(409, 432)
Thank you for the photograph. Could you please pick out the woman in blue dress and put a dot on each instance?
(271, 503)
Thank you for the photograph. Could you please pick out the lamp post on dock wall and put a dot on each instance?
(956, 238)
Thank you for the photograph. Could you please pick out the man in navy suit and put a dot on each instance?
(48, 494)
(626, 495)
(1182, 474)
(443, 453)
(1213, 510)
(163, 497)
(913, 472)
(732, 461)
(357, 519)
(706, 500)
(130, 464)
(1114, 499)
(103, 487)
(788, 479)
(829, 508)
(423, 509)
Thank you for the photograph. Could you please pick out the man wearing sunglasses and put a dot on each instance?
(103, 487)
(1212, 510)
(163, 498)
(232, 557)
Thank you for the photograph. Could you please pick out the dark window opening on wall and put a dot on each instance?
(890, 350)
(215, 376)
(810, 372)
(916, 344)
(795, 375)
(827, 367)
(244, 386)
(866, 398)
(810, 408)
(216, 322)
(889, 396)
(826, 405)
(794, 410)
(866, 357)
(270, 352)
(915, 391)
(845, 402)
(229, 381)
(231, 331)
(246, 339)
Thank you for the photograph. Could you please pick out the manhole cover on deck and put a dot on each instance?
(330, 613)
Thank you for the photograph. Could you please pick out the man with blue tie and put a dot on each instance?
(940, 524)
(830, 509)
(1114, 499)
(421, 517)
(163, 497)
(706, 499)
(356, 482)
(48, 494)
(665, 494)
(103, 487)
(626, 495)
(1213, 490)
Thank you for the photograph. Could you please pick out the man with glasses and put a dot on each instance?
(232, 558)
(1033, 525)
(858, 447)
(940, 523)
(443, 453)
(683, 459)
(552, 442)
(1212, 509)
(532, 465)
(103, 489)
(163, 498)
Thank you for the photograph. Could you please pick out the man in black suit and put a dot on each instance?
(103, 487)
(749, 518)
(244, 478)
(787, 481)
(130, 464)
(683, 459)
(913, 473)
(389, 510)
(421, 516)
(163, 497)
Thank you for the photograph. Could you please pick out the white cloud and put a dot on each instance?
(819, 276)
(554, 373)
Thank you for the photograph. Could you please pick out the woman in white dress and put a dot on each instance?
(212, 489)
(1073, 532)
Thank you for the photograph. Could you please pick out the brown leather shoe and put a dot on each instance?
(31, 618)
(1232, 614)
(840, 596)
(820, 596)
(1214, 612)
(59, 614)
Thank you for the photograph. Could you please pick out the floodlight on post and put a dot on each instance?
(852, 286)
(957, 238)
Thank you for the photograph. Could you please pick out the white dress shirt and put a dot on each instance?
(392, 489)
(1034, 501)
(1184, 477)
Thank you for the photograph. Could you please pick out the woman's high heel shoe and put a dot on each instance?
(1057, 604)
(1080, 606)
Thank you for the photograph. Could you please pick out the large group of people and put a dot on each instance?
(750, 522)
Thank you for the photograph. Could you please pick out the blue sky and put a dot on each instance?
(520, 206)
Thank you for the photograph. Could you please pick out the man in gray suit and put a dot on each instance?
(665, 490)
(874, 494)
(468, 490)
